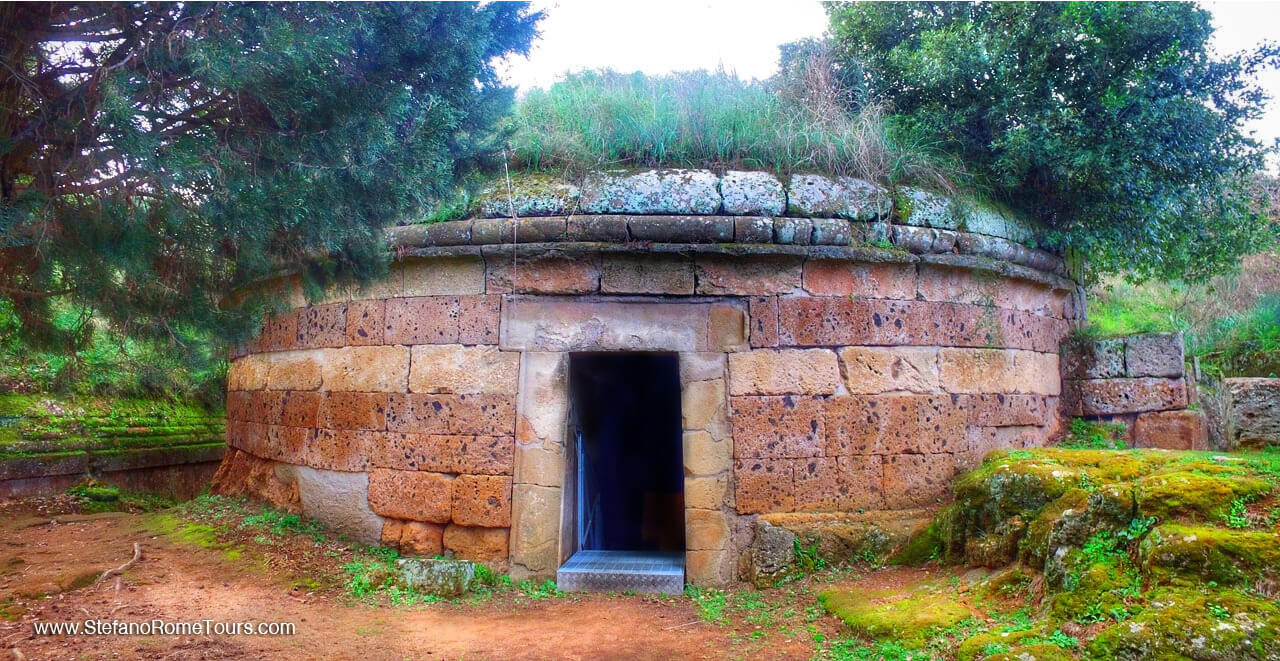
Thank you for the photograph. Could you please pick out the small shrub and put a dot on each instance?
(1090, 435)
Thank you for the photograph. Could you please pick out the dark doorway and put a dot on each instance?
(630, 466)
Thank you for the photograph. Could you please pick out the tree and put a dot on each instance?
(1110, 122)
(157, 155)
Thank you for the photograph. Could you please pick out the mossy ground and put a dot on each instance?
(1129, 554)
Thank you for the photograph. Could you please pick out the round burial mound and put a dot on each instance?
(654, 360)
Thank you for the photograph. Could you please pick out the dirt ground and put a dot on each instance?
(61, 555)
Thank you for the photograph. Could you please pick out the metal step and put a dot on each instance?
(619, 571)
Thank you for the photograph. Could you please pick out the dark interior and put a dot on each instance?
(630, 473)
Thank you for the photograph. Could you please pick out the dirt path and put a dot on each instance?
(177, 582)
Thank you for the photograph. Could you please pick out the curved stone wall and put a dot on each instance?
(834, 373)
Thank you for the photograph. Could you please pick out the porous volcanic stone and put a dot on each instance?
(814, 195)
(651, 192)
(925, 209)
(530, 195)
(1155, 354)
(752, 194)
(1252, 412)
(340, 501)
(442, 577)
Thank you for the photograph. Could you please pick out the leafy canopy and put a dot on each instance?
(1110, 122)
(153, 156)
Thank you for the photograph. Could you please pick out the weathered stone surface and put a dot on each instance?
(891, 424)
(701, 402)
(478, 319)
(792, 231)
(651, 192)
(726, 328)
(964, 285)
(248, 373)
(831, 232)
(1252, 407)
(300, 409)
(763, 313)
(706, 492)
(998, 371)
(354, 410)
(837, 483)
(824, 277)
(337, 449)
(529, 195)
(443, 453)
(886, 369)
(453, 368)
(647, 274)
(435, 576)
(366, 322)
(422, 320)
(763, 485)
(542, 325)
(441, 276)
(391, 531)
(279, 333)
(1006, 410)
(681, 229)
(1171, 430)
(547, 273)
(412, 495)
(914, 480)
(710, 567)
(482, 500)
(772, 552)
(479, 414)
(784, 372)
(243, 474)
(295, 370)
(753, 229)
(486, 545)
(366, 369)
(752, 194)
(726, 275)
(492, 231)
(925, 209)
(842, 197)
(705, 529)
(535, 530)
(419, 538)
(340, 501)
(609, 229)
(1115, 396)
(777, 427)
(322, 326)
(1154, 354)
(543, 406)
(922, 240)
(704, 455)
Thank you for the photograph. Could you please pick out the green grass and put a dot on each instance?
(606, 119)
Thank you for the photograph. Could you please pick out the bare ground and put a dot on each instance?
(180, 581)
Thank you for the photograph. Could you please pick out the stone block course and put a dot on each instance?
(752, 193)
(787, 426)
(842, 278)
(484, 545)
(763, 485)
(784, 372)
(322, 326)
(422, 320)
(412, 495)
(916, 480)
(366, 369)
(338, 449)
(482, 500)
(548, 273)
(999, 371)
(1154, 355)
(727, 275)
(763, 314)
(443, 453)
(353, 410)
(647, 274)
(1115, 396)
(454, 368)
(484, 415)
(1171, 430)
(441, 276)
(418, 538)
(870, 370)
(829, 484)
(1093, 359)
(295, 370)
(366, 322)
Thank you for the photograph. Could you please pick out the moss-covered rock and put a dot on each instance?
(1179, 554)
(1185, 623)
(1194, 494)
(890, 615)
(531, 194)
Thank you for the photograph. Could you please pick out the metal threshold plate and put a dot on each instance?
(619, 571)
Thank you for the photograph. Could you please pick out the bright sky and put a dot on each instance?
(659, 36)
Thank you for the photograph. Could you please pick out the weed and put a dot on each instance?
(1218, 610)
(1089, 435)
(1237, 516)
(710, 602)
(807, 558)
(538, 591)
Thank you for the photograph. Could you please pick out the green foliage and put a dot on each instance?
(283, 523)
(807, 558)
(711, 119)
(710, 602)
(538, 591)
(1112, 123)
(1090, 435)
(197, 147)
(1237, 516)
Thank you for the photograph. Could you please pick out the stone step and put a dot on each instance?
(619, 571)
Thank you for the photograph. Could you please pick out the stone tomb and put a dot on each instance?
(819, 369)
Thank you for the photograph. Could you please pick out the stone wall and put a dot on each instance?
(1139, 380)
(851, 361)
